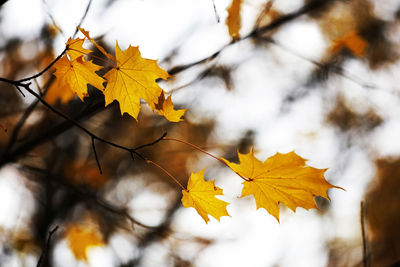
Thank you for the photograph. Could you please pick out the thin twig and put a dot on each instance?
(43, 71)
(20, 123)
(364, 235)
(83, 18)
(312, 6)
(216, 12)
(95, 155)
(46, 247)
(78, 125)
(152, 143)
(20, 91)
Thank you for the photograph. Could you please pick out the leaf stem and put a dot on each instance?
(166, 172)
(205, 152)
(96, 57)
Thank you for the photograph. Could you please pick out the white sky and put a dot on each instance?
(251, 237)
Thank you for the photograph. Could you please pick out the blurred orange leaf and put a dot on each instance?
(200, 194)
(352, 41)
(83, 173)
(80, 238)
(282, 178)
(233, 21)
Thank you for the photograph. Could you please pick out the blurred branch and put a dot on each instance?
(18, 126)
(323, 66)
(95, 198)
(312, 6)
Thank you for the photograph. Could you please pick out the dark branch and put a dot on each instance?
(42, 72)
(46, 247)
(95, 155)
(83, 18)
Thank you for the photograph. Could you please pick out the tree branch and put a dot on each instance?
(46, 247)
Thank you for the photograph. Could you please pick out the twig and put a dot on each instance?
(95, 155)
(152, 143)
(364, 235)
(215, 11)
(46, 247)
(336, 69)
(42, 72)
(312, 6)
(17, 128)
(83, 18)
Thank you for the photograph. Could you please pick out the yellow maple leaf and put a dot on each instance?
(75, 48)
(75, 75)
(133, 78)
(165, 108)
(200, 194)
(99, 47)
(82, 237)
(282, 178)
(352, 41)
(233, 21)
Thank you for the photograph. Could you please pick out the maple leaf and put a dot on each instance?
(233, 21)
(75, 48)
(166, 108)
(75, 75)
(351, 41)
(81, 238)
(282, 178)
(133, 78)
(99, 47)
(200, 194)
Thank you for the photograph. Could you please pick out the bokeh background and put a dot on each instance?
(324, 84)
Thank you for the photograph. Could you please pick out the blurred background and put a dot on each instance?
(317, 77)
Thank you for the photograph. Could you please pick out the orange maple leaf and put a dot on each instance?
(82, 237)
(282, 178)
(200, 194)
(165, 108)
(233, 21)
(57, 92)
(75, 74)
(352, 41)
